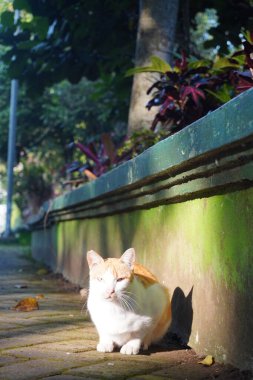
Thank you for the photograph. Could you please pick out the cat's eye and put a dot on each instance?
(99, 278)
(120, 279)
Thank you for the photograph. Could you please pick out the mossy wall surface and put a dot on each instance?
(211, 232)
(204, 245)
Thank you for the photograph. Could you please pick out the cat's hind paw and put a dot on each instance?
(131, 348)
(105, 347)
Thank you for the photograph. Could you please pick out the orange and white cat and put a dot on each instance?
(127, 304)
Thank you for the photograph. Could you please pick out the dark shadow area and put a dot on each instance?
(170, 343)
(178, 334)
(182, 316)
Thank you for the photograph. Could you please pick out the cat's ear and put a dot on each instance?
(128, 257)
(93, 258)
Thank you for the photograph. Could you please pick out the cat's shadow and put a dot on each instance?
(177, 337)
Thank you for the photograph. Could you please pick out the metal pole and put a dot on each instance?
(11, 146)
(11, 155)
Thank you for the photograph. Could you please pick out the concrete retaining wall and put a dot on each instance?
(186, 205)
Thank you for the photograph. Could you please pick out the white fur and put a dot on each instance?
(128, 325)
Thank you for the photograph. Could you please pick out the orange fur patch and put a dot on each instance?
(144, 275)
(162, 325)
(164, 321)
(118, 269)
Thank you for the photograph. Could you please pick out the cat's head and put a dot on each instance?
(110, 277)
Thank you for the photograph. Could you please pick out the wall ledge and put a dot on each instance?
(211, 156)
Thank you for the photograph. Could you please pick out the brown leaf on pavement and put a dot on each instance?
(27, 304)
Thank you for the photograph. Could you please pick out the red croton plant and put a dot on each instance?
(184, 93)
(194, 87)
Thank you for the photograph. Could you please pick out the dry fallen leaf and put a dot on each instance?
(207, 361)
(27, 304)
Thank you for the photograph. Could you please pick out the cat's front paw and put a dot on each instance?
(105, 347)
(131, 348)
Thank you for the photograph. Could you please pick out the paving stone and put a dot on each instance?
(76, 349)
(185, 372)
(112, 369)
(7, 326)
(14, 315)
(67, 377)
(194, 371)
(150, 377)
(25, 337)
(33, 369)
(6, 359)
(165, 358)
(45, 320)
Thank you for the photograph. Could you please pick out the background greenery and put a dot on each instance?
(71, 59)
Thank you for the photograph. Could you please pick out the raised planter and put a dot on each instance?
(186, 205)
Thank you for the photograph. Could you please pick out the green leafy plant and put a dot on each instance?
(183, 94)
(33, 185)
(194, 87)
(139, 141)
(108, 153)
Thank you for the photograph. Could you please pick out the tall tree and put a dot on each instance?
(156, 33)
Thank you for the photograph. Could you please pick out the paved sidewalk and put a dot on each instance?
(57, 342)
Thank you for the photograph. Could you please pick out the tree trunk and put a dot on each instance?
(156, 32)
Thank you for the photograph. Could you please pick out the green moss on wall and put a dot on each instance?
(198, 236)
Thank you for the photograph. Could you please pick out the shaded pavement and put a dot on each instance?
(59, 342)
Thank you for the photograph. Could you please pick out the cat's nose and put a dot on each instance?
(110, 293)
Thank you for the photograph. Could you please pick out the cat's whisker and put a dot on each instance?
(130, 298)
(129, 301)
(127, 293)
(84, 308)
(124, 302)
(126, 305)
(84, 294)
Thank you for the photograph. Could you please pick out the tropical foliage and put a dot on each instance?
(194, 87)
(33, 185)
